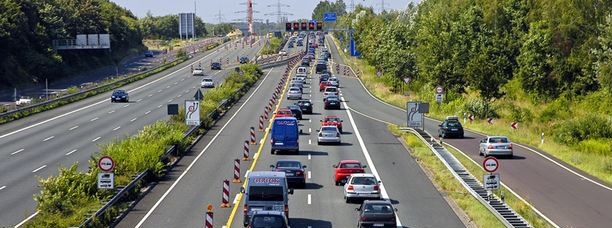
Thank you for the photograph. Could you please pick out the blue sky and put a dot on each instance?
(207, 9)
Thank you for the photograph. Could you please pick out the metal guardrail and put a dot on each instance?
(503, 212)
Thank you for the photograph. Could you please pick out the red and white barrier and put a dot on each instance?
(253, 136)
(514, 125)
(208, 223)
(236, 171)
(225, 197)
(245, 154)
(261, 123)
(266, 113)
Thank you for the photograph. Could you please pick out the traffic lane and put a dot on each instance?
(418, 201)
(322, 211)
(58, 158)
(539, 183)
(545, 185)
(185, 203)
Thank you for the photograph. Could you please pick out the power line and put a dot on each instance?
(280, 14)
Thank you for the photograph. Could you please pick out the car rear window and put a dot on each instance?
(266, 193)
(287, 164)
(350, 165)
(331, 89)
(333, 119)
(377, 208)
(364, 180)
(333, 129)
(498, 140)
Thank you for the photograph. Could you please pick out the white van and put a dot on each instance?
(266, 191)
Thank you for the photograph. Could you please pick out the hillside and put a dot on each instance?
(27, 29)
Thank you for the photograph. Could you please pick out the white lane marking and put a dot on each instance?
(72, 128)
(309, 130)
(159, 91)
(175, 83)
(94, 119)
(180, 95)
(150, 95)
(309, 121)
(167, 87)
(369, 117)
(309, 175)
(26, 220)
(366, 154)
(309, 156)
(261, 141)
(3, 187)
(48, 138)
(139, 100)
(96, 139)
(193, 87)
(182, 79)
(309, 141)
(187, 91)
(309, 199)
(147, 112)
(125, 106)
(117, 128)
(132, 120)
(200, 155)
(246, 175)
(111, 111)
(159, 106)
(236, 199)
(39, 168)
(169, 100)
(72, 151)
(97, 103)
(18, 151)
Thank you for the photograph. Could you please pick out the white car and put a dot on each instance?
(197, 72)
(361, 186)
(495, 146)
(294, 93)
(328, 134)
(330, 91)
(302, 70)
(207, 83)
(334, 81)
(282, 53)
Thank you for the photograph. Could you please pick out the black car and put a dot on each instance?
(332, 102)
(305, 105)
(321, 66)
(120, 96)
(215, 66)
(296, 110)
(148, 54)
(375, 213)
(451, 127)
(267, 219)
(293, 169)
(305, 62)
(324, 77)
(243, 60)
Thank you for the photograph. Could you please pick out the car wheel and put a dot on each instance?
(347, 199)
(443, 135)
(271, 151)
(336, 183)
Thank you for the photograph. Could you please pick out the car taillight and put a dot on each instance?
(246, 208)
(376, 187)
(350, 187)
(490, 147)
(298, 173)
(363, 218)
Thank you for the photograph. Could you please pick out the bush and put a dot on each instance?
(181, 53)
(582, 128)
(479, 108)
(63, 194)
(520, 114)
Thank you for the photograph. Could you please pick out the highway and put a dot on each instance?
(567, 196)
(36, 146)
(180, 200)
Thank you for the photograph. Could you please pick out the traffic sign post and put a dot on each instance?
(439, 89)
(491, 181)
(490, 164)
(106, 180)
(106, 164)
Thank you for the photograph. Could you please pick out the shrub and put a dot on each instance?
(479, 108)
(582, 128)
(181, 53)
(520, 114)
(63, 194)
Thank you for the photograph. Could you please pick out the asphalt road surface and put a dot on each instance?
(180, 200)
(562, 193)
(36, 146)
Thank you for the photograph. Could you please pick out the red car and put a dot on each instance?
(324, 84)
(284, 112)
(345, 168)
(332, 121)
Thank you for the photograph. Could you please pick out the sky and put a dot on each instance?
(208, 10)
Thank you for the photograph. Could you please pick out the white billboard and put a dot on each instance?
(192, 112)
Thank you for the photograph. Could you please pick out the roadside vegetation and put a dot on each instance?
(445, 182)
(272, 46)
(67, 199)
(543, 64)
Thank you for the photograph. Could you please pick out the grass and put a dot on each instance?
(513, 201)
(535, 117)
(446, 182)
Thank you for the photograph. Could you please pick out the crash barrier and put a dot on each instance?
(253, 140)
(499, 208)
(245, 154)
(209, 219)
(236, 171)
(225, 197)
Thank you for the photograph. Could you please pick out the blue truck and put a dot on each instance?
(285, 135)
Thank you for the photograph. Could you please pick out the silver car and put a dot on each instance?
(207, 83)
(294, 93)
(330, 91)
(495, 145)
(328, 134)
(334, 81)
(361, 186)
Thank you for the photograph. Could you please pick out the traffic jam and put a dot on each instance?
(310, 109)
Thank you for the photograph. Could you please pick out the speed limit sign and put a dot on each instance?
(106, 164)
(490, 164)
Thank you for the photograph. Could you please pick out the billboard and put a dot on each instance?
(186, 25)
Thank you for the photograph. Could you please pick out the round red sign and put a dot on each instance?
(106, 164)
(490, 164)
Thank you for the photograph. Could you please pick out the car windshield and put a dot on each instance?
(364, 181)
(268, 221)
(328, 129)
(331, 89)
(377, 208)
(288, 164)
(350, 165)
(207, 80)
(293, 89)
(266, 193)
(332, 119)
(498, 140)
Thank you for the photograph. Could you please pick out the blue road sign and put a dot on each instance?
(329, 16)
(353, 48)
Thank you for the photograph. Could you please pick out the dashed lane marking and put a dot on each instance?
(72, 128)
(96, 139)
(39, 168)
(18, 151)
(72, 151)
(48, 138)
(117, 128)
